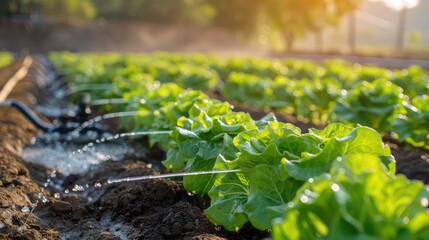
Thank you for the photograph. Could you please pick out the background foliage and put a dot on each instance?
(290, 18)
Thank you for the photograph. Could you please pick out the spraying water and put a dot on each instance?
(83, 88)
(117, 136)
(102, 117)
(77, 188)
(40, 197)
(91, 87)
(110, 101)
(64, 157)
(77, 159)
(170, 175)
(86, 187)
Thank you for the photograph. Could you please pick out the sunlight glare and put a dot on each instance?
(400, 4)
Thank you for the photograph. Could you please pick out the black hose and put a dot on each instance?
(39, 123)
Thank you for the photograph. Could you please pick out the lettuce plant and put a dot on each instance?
(199, 140)
(371, 104)
(246, 88)
(413, 127)
(413, 80)
(275, 162)
(358, 199)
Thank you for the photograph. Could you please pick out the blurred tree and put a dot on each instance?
(159, 11)
(65, 10)
(199, 11)
(241, 15)
(4, 8)
(10, 7)
(147, 10)
(62, 10)
(292, 18)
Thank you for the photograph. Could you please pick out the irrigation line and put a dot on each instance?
(131, 134)
(117, 136)
(91, 87)
(110, 101)
(115, 115)
(97, 119)
(39, 196)
(18, 76)
(169, 175)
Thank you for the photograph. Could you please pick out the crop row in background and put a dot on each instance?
(391, 101)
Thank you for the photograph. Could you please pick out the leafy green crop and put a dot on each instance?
(359, 199)
(413, 127)
(335, 183)
(340, 71)
(335, 91)
(284, 95)
(300, 69)
(275, 162)
(247, 88)
(200, 140)
(316, 98)
(413, 80)
(183, 74)
(258, 67)
(164, 106)
(371, 104)
(372, 73)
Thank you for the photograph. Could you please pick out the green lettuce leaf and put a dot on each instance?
(339, 141)
(360, 199)
(413, 127)
(228, 196)
(267, 188)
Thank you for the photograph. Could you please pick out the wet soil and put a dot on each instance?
(17, 189)
(152, 209)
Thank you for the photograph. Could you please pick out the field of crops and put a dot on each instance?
(334, 182)
(393, 102)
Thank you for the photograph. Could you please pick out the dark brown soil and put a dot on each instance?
(17, 189)
(152, 209)
(155, 209)
(413, 163)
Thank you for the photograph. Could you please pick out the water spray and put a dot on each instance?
(170, 175)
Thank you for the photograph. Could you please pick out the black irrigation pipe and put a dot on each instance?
(29, 114)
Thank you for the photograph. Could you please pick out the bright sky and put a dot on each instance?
(399, 4)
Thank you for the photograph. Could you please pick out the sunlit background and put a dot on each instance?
(380, 26)
(374, 27)
(399, 4)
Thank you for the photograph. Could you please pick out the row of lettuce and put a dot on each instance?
(394, 102)
(6, 58)
(335, 183)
